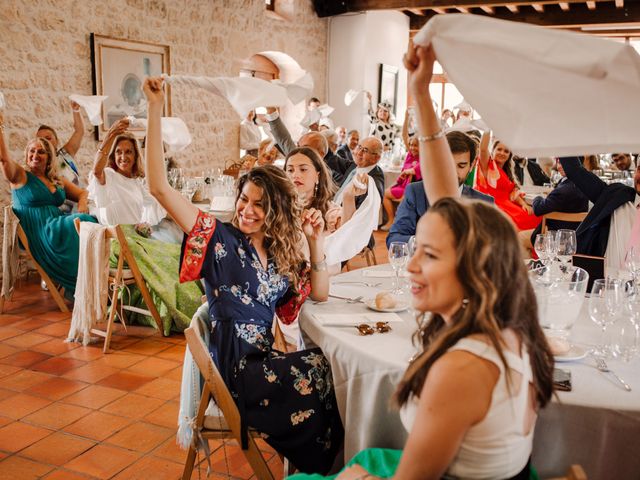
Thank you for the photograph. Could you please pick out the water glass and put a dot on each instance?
(566, 244)
(604, 306)
(412, 245)
(398, 257)
(625, 340)
(540, 246)
(632, 263)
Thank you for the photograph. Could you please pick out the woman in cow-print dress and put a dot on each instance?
(381, 124)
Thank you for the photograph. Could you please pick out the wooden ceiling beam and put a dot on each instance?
(591, 5)
(564, 6)
(325, 8)
(538, 7)
(513, 8)
(579, 16)
(462, 9)
(488, 9)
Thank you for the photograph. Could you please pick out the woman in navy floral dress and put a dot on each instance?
(253, 267)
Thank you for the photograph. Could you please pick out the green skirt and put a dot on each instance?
(381, 462)
(159, 264)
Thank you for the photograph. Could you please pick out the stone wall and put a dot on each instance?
(45, 56)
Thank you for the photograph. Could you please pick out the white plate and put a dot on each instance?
(371, 303)
(574, 354)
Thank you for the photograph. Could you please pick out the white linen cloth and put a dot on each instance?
(175, 132)
(243, 93)
(190, 391)
(92, 289)
(10, 251)
(544, 92)
(598, 422)
(354, 235)
(123, 200)
(299, 89)
(250, 135)
(622, 221)
(92, 105)
(351, 95)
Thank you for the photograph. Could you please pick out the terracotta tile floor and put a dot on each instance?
(69, 412)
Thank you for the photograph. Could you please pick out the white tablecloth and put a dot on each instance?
(596, 425)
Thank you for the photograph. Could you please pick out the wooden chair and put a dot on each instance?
(213, 427)
(565, 217)
(123, 276)
(575, 472)
(56, 292)
(368, 255)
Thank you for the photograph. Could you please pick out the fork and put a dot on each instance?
(602, 366)
(366, 284)
(349, 300)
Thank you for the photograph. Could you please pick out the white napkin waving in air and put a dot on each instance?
(92, 104)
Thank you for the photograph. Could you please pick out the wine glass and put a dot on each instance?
(626, 343)
(540, 246)
(566, 244)
(604, 306)
(189, 187)
(632, 263)
(398, 257)
(412, 245)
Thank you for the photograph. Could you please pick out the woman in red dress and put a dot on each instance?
(493, 180)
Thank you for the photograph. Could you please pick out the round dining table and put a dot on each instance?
(596, 425)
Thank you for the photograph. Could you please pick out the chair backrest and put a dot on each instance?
(561, 216)
(222, 397)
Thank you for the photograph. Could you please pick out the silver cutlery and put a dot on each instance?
(602, 366)
(366, 284)
(348, 299)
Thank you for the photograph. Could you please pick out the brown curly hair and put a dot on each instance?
(325, 188)
(282, 223)
(51, 170)
(495, 282)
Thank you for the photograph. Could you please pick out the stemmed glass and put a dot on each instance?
(540, 246)
(565, 248)
(398, 257)
(632, 263)
(604, 306)
(412, 245)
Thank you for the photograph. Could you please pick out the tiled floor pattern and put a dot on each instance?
(69, 412)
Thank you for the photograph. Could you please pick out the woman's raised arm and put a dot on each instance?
(183, 211)
(13, 172)
(436, 161)
(102, 154)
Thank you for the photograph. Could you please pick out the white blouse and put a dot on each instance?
(123, 200)
(496, 447)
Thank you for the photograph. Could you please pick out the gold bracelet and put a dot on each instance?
(431, 138)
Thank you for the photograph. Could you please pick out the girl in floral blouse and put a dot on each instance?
(252, 267)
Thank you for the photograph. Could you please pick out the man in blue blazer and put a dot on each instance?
(610, 202)
(566, 198)
(415, 203)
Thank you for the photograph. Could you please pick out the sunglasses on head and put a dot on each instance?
(380, 327)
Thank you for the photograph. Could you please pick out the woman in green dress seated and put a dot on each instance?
(470, 398)
(36, 193)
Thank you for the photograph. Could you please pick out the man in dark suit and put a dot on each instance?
(415, 203)
(314, 140)
(614, 203)
(566, 198)
(346, 150)
(534, 174)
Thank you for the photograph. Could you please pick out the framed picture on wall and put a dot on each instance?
(388, 85)
(119, 69)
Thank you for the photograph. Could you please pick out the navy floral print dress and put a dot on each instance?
(287, 397)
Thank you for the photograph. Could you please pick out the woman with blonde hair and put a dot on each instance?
(37, 193)
(271, 256)
(116, 183)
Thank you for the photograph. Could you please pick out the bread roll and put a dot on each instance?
(384, 300)
(558, 346)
